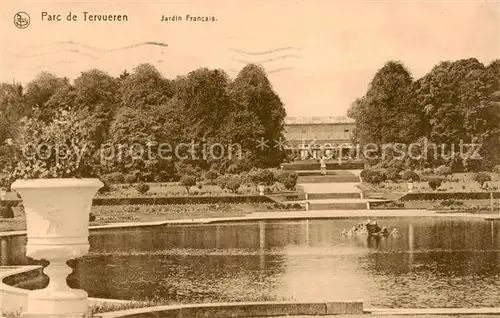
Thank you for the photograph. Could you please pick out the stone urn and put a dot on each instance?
(57, 216)
(262, 188)
(410, 186)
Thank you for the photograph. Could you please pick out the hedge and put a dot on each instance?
(431, 196)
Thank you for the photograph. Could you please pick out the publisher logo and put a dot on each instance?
(22, 20)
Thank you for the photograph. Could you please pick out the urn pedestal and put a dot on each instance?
(57, 216)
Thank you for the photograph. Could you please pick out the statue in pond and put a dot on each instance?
(370, 229)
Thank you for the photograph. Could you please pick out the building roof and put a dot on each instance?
(319, 120)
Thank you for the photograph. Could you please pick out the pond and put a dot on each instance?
(435, 262)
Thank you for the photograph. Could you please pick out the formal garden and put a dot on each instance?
(150, 141)
(187, 148)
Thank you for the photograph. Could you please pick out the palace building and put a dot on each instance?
(312, 137)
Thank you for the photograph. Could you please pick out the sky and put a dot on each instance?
(320, 54)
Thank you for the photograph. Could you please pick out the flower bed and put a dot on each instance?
(432, 196)
(181, 200)
(384, 205)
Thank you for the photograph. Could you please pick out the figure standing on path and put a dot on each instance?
(323, 165)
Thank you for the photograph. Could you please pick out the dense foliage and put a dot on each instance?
(130, 128)
(455, 103)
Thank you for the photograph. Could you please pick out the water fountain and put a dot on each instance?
(57, 216)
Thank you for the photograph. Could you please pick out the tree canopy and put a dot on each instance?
(456, 102)
(142, 107)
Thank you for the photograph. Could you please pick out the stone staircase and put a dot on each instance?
(338, 190)
(332, 176)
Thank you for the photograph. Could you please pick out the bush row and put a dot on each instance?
(232, 182)
(376, 176)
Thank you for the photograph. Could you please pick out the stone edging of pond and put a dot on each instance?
(14, 299)
(244, 309)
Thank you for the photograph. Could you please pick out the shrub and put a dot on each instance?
(496, 169)
(163, 176)
(106, 188)
(147, 177)
(114, 177)
(443, 170)
(451, 202)
(481, 178)
(221, 181)
(396, 163)
(183, 169)
(137, 174)
(130, 178)
(233, 184)
(392, 174)
(264, 176)
(288, 179)
(142, 188)
(157, 178)
(434, 183)
(410, 176)
(428, 171)
(210, 176)
(364, 173)
(6, 211)
(472, 165)
(374, 176)
(187, 181)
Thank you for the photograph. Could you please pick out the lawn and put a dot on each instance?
(481, 206)
(458, 182)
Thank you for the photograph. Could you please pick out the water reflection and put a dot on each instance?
(435, 262)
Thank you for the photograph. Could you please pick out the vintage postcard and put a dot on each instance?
(249, 158)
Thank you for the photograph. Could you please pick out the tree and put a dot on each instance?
(203, 99)
(96, 98)
(387, 113)
(55, 150)
(40, 91)
(145, 138)
(12, 109)
(456, 98)
(261, 108)
(145, 87)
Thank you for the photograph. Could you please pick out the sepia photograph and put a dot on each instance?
(249, 158)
